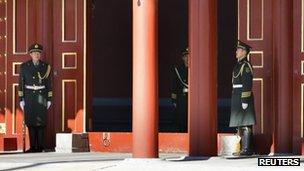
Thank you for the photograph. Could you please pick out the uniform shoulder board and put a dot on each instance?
(247, 67)
(27, 63)
(44, 63)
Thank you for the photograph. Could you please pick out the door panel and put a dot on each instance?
(69, 58)
(3, 54)
(255, 28)
(23, 23)
(20, 33)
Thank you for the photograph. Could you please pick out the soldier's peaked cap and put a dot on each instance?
(185, 51)
(244, 46)
(35, 48)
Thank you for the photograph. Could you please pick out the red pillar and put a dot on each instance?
(203, 78)
(145, 79)
(283, 55)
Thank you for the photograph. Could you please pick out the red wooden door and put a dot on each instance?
(23, 23)
(255, 28)
(20, 26)
(69, 59)
(20, 32)
(3, 54)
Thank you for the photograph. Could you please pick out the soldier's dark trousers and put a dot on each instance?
(182, 114)
(36, 138)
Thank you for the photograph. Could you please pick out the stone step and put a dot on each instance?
(72, 142)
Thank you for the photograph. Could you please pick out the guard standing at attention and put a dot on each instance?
(179, 95)
(35, 95)
(242, 100)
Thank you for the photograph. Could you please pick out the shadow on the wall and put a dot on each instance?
(262, 143)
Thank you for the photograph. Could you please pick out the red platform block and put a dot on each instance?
(10, 144)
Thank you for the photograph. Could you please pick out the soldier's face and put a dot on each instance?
(35, 56)
(185, 59)
(240, 53)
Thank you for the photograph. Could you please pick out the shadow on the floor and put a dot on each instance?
(21, 152)
(15, 152)
(263, 156)
(58, 162)
(244, 157)
(186, 158)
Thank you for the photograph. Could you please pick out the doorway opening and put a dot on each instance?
(227, 39)
(112, 63)
(172, 42)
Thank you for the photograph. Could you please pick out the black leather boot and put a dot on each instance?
(32, 136)
(246, 142)
(40, 138)
(31, 150)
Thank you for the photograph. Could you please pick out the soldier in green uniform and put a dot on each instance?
(179, 94)
(242, 101)
(35, 96)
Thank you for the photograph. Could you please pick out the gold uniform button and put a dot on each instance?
(33, 77)
(34, 91)
(39, 91)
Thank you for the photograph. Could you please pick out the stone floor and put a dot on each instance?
(124, 162)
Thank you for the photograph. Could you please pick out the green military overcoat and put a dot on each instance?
(35, 109)
(242, 78)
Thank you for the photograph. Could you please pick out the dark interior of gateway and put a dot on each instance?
(112, 61)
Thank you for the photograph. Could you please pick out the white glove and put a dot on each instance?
(174, 104)
(22, 104)
(244, 105)
(49, 104)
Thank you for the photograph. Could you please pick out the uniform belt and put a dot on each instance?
(237, 86)
(185, 90)
(35, 87)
